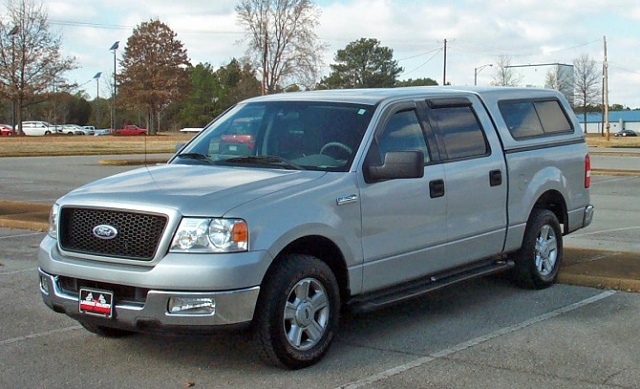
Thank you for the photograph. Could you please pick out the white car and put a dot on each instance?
(37, 128)
(74, 129)
(102, 131)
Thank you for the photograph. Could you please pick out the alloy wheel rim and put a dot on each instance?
(546, 251)
(306, 314)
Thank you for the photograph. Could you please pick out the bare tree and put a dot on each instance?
(587, 83)
(154, 71)
(281, 40)
(560, 77)
(30, 58)
(504, 75)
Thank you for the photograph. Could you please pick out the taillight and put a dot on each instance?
(587, 171)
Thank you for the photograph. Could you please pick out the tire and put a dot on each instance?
(297, 312)
(537, 263)
(106, 332)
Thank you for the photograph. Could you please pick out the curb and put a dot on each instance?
(599, 282)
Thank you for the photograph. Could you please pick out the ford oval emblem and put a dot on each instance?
(104, 231)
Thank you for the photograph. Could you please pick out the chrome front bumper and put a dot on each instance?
(231, 307)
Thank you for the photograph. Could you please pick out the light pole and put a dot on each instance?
(114, 48)
(478, 70)
(14, 31)
(97, 78)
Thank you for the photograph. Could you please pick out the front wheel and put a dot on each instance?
(297, 312)
(537, 263)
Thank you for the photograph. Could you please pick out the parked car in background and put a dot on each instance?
(240, 138)
(76, 130)
(6, 130)
(626, 133)
(130, 129)
(102, 131)
(38, 128)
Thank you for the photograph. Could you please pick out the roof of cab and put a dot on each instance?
(376, 95)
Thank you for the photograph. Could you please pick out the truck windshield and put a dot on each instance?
(283, 135)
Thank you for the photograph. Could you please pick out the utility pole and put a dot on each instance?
(605, 91)
(97, 78)
(15, 126)
(114, 48)
(444, 66)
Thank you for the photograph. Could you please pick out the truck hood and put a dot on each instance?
(191, 189)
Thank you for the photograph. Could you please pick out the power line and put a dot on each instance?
(70, 23)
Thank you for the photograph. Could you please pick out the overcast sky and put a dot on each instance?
(477, 33)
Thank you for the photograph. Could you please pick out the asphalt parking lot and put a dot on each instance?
(479, 334)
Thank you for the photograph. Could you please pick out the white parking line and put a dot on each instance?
(38, 335)
(21, 235)
(18, 271)
(605, 231)
(473, 342)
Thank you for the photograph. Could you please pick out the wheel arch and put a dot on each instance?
(324, 249)
(554, 202)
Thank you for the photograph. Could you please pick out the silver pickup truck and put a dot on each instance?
(289, 208)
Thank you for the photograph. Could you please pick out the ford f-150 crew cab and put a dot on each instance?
(341, 199)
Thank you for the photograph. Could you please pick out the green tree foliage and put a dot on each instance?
(417, 82)
(198, 110)
(154, 72)
(30, 59)
(212, 92)
(282, 43)
(236, 82)
(363, 64)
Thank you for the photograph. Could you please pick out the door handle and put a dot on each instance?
(495, 177)
(436, 188)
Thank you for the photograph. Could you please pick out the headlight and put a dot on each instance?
(53, 221)
(200, 235)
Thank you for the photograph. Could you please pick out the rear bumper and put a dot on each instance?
(232, 308)
(588, 215)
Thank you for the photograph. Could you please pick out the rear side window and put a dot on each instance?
(460, 131)
(530, 119)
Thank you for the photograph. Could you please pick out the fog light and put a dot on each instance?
(192, 305)
(44, 285)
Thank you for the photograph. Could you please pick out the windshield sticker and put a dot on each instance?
(362, 111)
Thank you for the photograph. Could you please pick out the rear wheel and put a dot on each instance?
(106, 332)
(297, 312)
(538, 260)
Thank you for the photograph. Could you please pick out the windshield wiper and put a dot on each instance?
(264, 160)
(196, 156)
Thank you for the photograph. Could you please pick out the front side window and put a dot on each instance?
(460, 132)
(402, 132)
(286, 134)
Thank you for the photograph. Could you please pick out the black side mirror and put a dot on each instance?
(397, 164)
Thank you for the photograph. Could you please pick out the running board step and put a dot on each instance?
(419, 287)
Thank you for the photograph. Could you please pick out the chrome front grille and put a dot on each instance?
(138, 234)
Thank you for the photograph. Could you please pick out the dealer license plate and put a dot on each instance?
(96, 302)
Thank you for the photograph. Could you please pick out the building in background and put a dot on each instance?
(618, 120)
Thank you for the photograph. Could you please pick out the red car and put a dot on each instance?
(6, 130)
(130, 129)
(239, 139)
